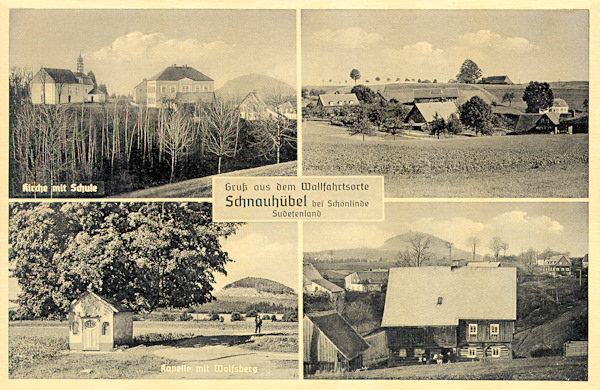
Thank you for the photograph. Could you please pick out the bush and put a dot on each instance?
(273, 318)
(214, 316)
(251, 313)
(290, 317)
(236, 317)
(185, 317)
(221, 318)
(166, 317)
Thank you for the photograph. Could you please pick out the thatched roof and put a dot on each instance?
(473, 293)
(339, 332)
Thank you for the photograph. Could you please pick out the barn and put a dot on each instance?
(97, 324)
(331, 344)
(462, 313)
(424, 113)
(537, 123)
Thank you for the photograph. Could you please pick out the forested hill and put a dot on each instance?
(261, 285)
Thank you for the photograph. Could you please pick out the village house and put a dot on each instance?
(496, 80)
(140, 93)
(422, 114)
(579, 266)
(559, 106)
(459, 313)
(253, 108)
(331, 344)
(97, 324)
(60, 86)
(337, 100)
(431, 95)
(366, 281)
(178, 83)
(537, 123)
(315, 283)
(558, 265)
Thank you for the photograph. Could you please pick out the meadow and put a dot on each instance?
(498, 166)
(39, 349)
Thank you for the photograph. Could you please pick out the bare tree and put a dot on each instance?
(528, 260)
(220, 124)
(473, 242)
(505, 247)
(496, 245)
(177, 137)
(417, 252)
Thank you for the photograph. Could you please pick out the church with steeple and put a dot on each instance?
(63, 86)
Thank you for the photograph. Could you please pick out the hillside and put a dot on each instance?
(261, 285)
(264, 85)
(389, 250)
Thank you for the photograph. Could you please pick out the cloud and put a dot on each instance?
(137, 46)
(351, 38)
(488, 39)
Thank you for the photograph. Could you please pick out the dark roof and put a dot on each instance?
(528, 121)
(496, 79)
(96, 91)
(116, 306)
(62, 75)
(372, 276)
(176, 73)
(339, 332)
(310, 272)
(85, 78)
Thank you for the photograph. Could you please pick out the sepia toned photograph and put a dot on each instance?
(449, 103)
(149, 103)
(449, 291)
(149, 291)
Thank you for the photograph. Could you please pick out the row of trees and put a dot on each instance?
(145, 255)
(131, 147)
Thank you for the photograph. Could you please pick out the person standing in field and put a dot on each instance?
(258, 322)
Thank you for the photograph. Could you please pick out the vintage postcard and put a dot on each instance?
(149, 291)
(449, 291)
(487, 103)
(149, 103)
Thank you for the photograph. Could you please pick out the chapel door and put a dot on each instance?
(91, 330)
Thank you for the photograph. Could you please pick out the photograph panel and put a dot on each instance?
(151, 103)
(449, 291)
(489, 103)
(149, 291)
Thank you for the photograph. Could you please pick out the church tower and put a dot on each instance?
(80, 64)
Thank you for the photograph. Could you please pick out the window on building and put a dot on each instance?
(472, 352)
(75, 327)
(197, 88)
(206, 88)
(402, 352)
(473, 329)
(494, 329)
(104, 328)
(495, 351)
(350, 102)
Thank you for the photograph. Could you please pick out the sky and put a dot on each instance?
(122, 47)
(263, 250)
(561, 226)
(525, 45)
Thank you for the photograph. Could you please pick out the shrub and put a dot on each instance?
(221, 319)
(214, 316)
(273, 318)
(185, 317)
(290, 317)
(251, 313)
(236, 317)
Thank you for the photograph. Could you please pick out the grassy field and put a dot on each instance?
(501, 166)
(573, 93)
(202, 187)
(39, 349)
(547, 368)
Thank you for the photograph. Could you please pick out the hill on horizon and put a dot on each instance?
(264, 85)
(261, 285)
(390, 249)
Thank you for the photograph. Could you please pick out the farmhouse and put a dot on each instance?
(496, 80)
(314, 283)
(557, 265)
(254, 108)
(424, 113)
(461, 313)
(429, 95)
(365, 281)
(559, 106)
(59, 86)
(331, 344)
(97, 324)
(174, 80)
(537, 123)
(337, 100)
